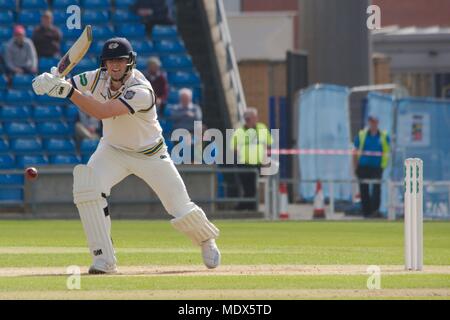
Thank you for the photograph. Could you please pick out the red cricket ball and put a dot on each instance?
(31, 173)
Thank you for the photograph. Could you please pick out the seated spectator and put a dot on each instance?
(87, 127)
(20, 54)
(47, 37)
(152, 12)
(158, 79)
(185, 113)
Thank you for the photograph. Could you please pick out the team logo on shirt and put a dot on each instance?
(129, 94)
(83, 79)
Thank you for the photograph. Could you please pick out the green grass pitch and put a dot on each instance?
(265, 260)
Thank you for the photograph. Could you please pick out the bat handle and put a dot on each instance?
(54, 71)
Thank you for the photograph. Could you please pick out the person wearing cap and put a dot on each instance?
(158, 79)
(47, 37)
(132, 143)
(20, 53)
(376, 143)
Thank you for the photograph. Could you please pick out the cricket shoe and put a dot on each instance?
(210, 254)
(102, 270)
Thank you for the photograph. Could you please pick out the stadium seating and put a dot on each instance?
(45, 64)
(4, 147)
(71, 33)
(34, 4)
(22, 81)
(53, 128)
(5, 33)
(96, 4)
(20, 129)
(43, 113)
(15, 97)
(184, 79)
(95, 17)
(29, 17)
(169, 47)
(25, 145)
(102, 32)
(7, 5)
(177, 62)
(124, 4)
(60, 16)
(63, 4)
(71, 113)
(11, 179)
(59, 146)
(8, 113)
(7, 161)
(46, 100)
(144, 47)
(131, 31)
(62, 159)
(125, 16)
(11, 195)
(31, 160)
(3, 83)
(164, 32)
(6, 18)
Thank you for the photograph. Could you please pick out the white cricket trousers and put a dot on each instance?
(112, 165)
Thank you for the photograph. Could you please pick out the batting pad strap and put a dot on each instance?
(196, 226)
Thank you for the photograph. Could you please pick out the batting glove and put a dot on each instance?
(52, 85)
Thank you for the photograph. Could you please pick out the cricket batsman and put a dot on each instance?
(132, 143)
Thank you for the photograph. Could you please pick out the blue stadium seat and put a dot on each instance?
(6, 161)
(144, 47)
(88, 146)
(5, 33)
(31, 160)
(170, 47)
(11, 179)
(178, 62)
(164, 32)
(63, 4)
(124, 4)
(29, 30)
(14, 113)
(184, 79)
(86, 64)
(60, 146)
(29, 17)
(2, 96)
(60, 18)
(53, 128)
(25, 145)
(22, 81)
(85, 158)
(96, 4)
(42, 113)
(131, 31)
(20, 129)
(65, 45)
(102, 32)
(45, 64)
(125, 16)
(95, 17)
(11, 195)
(64, 159)
(6, 18)
(173, 97)
(71, 113)
(71, 33)
(4, 146)
(7, 5)
(47, 100)
(166, 125)
(1, 130)
(3, 83)
(96, 49)
(34, 4)
(141, 63)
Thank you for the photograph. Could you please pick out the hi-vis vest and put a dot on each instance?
(384, 146)
(251, 144)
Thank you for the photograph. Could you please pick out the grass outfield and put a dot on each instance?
(267, 260)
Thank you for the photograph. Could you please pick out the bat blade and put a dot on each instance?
(76, 52)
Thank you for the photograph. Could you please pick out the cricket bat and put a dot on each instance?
(75, 53)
